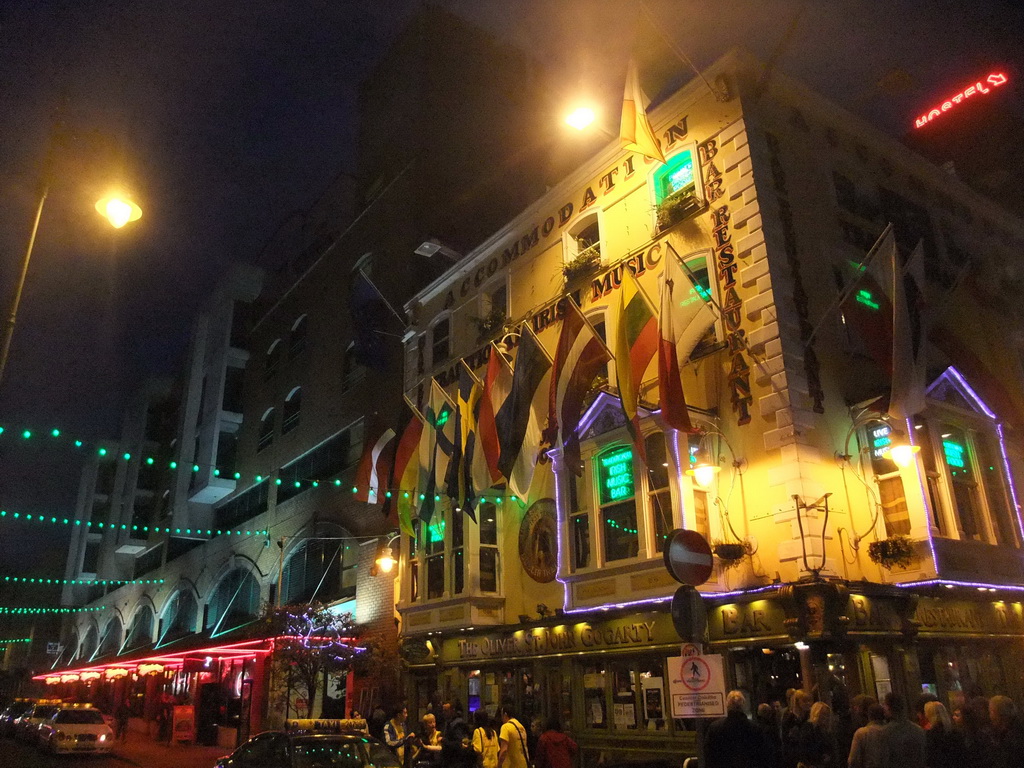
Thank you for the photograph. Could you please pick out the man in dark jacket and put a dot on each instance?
(733, 741)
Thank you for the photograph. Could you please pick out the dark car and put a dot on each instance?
(277, 749)
(10, 714)
(26, 727)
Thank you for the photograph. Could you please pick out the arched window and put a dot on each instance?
(272, 361)
(235, 602)
(141, 631)
(266, 436)
(89, 643)
(352, 372)
(179, 616)
(111, 642)
(322, 569)
(290, 415)
(297, 338)
(583, 241)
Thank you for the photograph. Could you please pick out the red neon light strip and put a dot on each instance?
(994, 80)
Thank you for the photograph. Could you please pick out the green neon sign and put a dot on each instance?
(615, 475)
(867, 299)
(955, 454)
(881, 439)
(442, 418)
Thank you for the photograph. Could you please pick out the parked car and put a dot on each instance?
(277, 749)
(8, 716)
(27, 725)
(76, 729)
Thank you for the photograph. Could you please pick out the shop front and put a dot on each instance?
(837, 640)
(214, 692)
(604, 677)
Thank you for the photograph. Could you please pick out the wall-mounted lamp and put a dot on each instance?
(900, 451)
(386, 560)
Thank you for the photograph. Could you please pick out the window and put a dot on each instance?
(583, 243)
(494, 301)
(658, 492)
(488, 517)
(433, 548)
(414, 567)
(351, 370)
(266, 436)
(179, 616)
(701, 289)
(458, 579)
(272, 360)
(111, 642)
(617, 503)
(891, 495)
(579, 527)
(141, 631)
(290, 415)
(235, 601)
(89, 643)
(324, 570)
(321, 464)
(676, 177)
(297, 337)
(244, 506)
(440, 341)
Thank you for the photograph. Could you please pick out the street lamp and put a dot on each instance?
(118, 210)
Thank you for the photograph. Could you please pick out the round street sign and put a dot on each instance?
(688, 557)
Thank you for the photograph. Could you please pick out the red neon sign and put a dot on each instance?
(994, 80)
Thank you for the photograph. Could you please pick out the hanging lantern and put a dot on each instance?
(69, 678)
(151, 669)
(90, 675)
(116, 674)
(53, 680)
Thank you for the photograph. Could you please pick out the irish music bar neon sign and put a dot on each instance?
(994, 80)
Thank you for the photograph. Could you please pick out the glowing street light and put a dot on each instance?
(580, 118)
(118, 210)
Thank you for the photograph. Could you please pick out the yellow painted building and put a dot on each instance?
(560, 603)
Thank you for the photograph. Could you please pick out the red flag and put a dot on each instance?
(685, 318)
(580, 357)
(405, 472)
(374, 469)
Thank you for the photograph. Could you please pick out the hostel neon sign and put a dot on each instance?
(994, 80)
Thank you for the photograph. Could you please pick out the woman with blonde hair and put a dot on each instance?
(817, 747)
(944, 746)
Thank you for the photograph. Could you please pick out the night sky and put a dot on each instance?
(224, 117)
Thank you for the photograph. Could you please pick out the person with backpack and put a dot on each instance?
(485, 739)
(512, 749)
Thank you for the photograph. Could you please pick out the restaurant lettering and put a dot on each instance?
(726, 268)
(580, 637)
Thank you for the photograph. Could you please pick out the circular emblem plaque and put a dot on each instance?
(538, 541)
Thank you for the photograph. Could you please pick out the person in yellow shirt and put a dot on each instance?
(512, 749)
(485, 739)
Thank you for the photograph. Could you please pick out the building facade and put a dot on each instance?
(771, 197)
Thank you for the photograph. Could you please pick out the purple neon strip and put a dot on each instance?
(953, 583)
(560, 517)
(654, 600)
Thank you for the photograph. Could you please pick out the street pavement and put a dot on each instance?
(139, 750)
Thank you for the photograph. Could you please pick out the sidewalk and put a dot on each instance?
(141, 750)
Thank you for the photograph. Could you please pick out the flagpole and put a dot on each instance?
(848, 291)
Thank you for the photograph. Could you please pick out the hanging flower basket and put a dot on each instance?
(583, 265)
(488, 325)
(675, 208)
(893, 552)
(730, 552)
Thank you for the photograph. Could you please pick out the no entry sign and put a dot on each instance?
(688, 557)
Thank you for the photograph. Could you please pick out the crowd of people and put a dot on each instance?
(983, 733)
(450, 739)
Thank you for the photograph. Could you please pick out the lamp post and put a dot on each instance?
(116, 208)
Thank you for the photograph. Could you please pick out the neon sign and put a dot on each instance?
(994, 80)
(615, 473)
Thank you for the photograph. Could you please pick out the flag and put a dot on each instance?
(580, 356)
(374, 470)
(908, 336)
(867, 307)
(685, 318)
(636, 341)
(405, 472)
(516, 421)
(635, 131)
(437, 446)
(460, 470)
(497, 384)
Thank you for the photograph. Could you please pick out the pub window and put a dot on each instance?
(659, 495)
(891, 494)
(414, 570)
(595, 707)
(433, 547)
(440, 341)
(676, 177)
(617, 503)
(579, 527)
(488, 516)
(458, 552)
(297, 337)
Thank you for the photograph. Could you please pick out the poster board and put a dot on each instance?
(184, 723)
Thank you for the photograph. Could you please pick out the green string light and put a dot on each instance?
(6, 515)
(19, 640)
(78, 582)
(13, 610)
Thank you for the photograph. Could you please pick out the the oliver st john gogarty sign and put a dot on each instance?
(632, 632)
